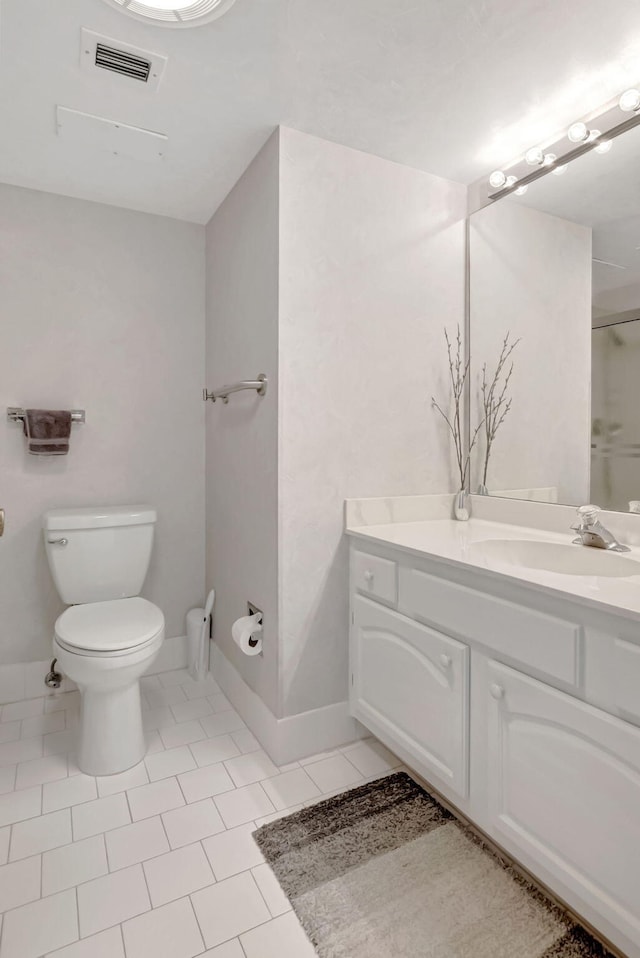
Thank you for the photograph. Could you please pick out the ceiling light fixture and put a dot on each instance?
(174, 13)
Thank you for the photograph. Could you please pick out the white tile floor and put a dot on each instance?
(159, 860)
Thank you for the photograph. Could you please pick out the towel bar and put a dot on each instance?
(16, 414)
(259, 384)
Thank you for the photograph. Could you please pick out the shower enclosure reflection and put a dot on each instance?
(615, 415)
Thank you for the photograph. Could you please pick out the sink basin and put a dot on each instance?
(558, 557)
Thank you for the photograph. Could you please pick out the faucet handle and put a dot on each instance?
(588, 512)
(587, 516)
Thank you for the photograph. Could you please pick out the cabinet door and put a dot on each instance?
(564, 794)
(410, 687)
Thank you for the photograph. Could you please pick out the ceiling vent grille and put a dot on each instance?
(106, 55)
(119, 61)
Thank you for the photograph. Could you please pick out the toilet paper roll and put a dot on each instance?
(246, 634)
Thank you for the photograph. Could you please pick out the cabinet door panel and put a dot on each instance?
(564, 789)
(411, 685)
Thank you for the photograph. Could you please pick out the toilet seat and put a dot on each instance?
(110, 628)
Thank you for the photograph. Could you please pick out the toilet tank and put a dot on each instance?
(96, 554)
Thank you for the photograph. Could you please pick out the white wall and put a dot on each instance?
(531, 275)
(334, 272)
(371, 270)
(102, 309)
(241, 478)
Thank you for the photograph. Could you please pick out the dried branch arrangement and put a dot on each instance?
(458, 375)
(496, 402)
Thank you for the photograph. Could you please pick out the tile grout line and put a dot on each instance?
(106, 854)
(195, 915)
(260, 890)
(186, 803)
(75, 892)
(268, 799)
(146, 885)
(207, 859)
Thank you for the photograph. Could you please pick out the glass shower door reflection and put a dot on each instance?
(615, 415)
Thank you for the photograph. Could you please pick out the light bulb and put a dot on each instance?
(559, 170)
(549, 159)
(578, 133)
(521, 190)
(174, 13)
(629, 102)
(603, 146)
(497, 179)
(534, 156)
(167, 4)
(511, 180)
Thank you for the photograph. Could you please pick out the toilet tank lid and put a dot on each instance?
(96, 517)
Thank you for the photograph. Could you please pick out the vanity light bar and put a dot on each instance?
(580, 135)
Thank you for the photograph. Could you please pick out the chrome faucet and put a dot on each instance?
(592, 533)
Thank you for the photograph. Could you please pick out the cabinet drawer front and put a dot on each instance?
(564, 791)
(410, 686)
(627, 677)
(375, 576)
(541, 641)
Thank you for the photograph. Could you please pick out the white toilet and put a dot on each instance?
(108, 638)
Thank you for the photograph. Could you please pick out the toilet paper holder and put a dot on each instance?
(254, 610)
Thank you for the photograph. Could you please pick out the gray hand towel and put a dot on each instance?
(48, 431)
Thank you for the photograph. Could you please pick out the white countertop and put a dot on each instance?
(457, 543)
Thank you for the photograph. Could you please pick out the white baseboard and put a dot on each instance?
(25, 680)
(172, 655)
(292, 737)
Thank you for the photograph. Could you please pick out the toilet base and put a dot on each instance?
(111, 737)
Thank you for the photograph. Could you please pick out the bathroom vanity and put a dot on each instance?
(502, 664)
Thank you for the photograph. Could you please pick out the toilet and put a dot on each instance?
(110, 635)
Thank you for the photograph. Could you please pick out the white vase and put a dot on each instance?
(461, 506)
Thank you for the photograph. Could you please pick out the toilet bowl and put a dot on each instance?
(110, 635)
(105, 647)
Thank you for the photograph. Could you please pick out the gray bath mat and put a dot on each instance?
(384, 871)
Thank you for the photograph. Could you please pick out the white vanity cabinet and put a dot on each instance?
(411, 685)
(490, 692)
(563, 789)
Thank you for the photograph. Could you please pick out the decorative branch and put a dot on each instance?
(496, 403)
(458, 375)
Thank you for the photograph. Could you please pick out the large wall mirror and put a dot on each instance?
(558, 270)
